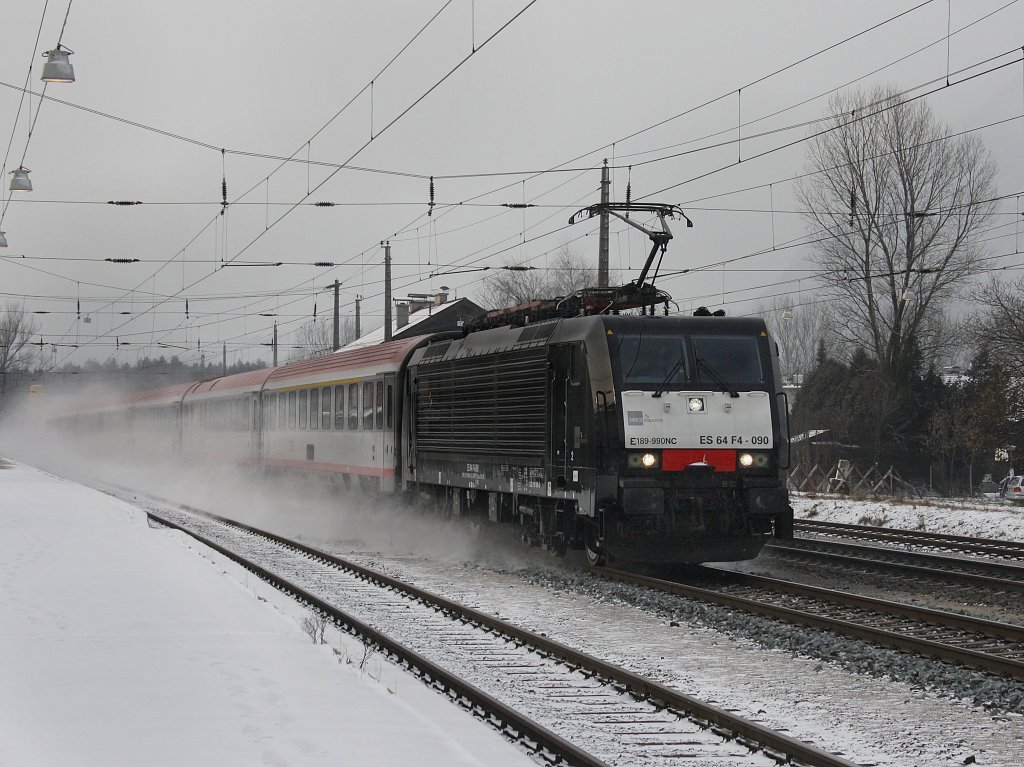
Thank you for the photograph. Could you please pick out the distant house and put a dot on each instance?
(819, 446)
(422, 314)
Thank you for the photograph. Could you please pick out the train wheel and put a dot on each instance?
(596, 556)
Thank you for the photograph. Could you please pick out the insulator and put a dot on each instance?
(518, 205)
(324, 204)
(629, 188)
(124, 202)
(323, 263)
(186, 308)
(122, 260)
(853, 205)
(430, 208)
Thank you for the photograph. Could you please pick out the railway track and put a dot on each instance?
(990, 646)
(1012, 551)
(564, 706)
(982, 575)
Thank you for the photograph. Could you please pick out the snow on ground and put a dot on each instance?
(124, 644)
(973, 518)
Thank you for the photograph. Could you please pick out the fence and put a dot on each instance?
(844, 477)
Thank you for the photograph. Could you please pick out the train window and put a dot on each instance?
(282, 411)
(368, 405)
(292, 396)
(353, 406)
(648, 360)
(339, 407)
(325, 407)
(734, 359)
(389, 403)
(379, 409)
(314, 408)
(303, 409)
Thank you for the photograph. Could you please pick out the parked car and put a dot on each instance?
(1012, 489)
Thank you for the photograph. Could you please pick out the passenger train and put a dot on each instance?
(632, 437)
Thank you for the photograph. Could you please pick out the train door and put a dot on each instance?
(567, 435)
(387, 420)
(255, 418)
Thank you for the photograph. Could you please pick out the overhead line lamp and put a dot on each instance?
(20, 182)
(3, 239)
(57, 68)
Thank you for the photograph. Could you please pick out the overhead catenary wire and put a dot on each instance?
(391, 123)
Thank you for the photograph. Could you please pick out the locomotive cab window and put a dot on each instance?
(650, 361)
(734, 359)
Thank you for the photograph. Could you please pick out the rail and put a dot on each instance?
(933, 633)
(726, 724)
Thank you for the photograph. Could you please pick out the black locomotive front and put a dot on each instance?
(701, 440)
(580, 431)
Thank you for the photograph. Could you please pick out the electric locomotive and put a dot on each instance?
(661, 439)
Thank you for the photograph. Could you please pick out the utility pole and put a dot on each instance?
(602, 247)
(358, 332)
(387, 290)
(224, 361)
(275, 343)
(337, 332)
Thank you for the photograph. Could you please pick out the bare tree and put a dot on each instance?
(803, 332)
(568, 273)
(16, 356)
(898, 199)
(316, 338)
(1001, 322)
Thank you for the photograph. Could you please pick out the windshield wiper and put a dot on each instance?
(701, 363)
(664, 384)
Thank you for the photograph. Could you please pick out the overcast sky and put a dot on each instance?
(564, 85)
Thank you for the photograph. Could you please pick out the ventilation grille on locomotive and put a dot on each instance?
(493, 405)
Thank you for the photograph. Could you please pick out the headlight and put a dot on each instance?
(758, 460)
(695, 404)
(643, 460)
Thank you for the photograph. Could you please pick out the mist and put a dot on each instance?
(311, 507)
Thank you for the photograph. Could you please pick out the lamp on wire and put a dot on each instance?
(3, 239)
(20, 182)
(787, 314)
(908, 295)
(57, 68)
